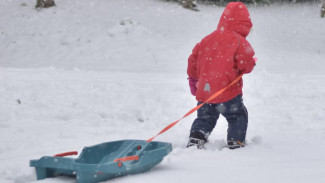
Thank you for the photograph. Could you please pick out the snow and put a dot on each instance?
(87, 72)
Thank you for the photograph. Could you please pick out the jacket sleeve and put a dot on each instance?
(244, 61)
(192, 62)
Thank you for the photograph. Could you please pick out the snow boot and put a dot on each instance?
(197, 139)
(235, 144)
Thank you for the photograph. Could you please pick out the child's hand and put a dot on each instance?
(193, 85)
(255, 59)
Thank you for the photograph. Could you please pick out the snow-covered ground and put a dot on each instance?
(87, 72)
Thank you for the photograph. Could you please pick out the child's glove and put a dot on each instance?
(193, 85)
(255, 59)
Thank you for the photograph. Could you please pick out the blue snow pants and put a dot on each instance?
(233, 110)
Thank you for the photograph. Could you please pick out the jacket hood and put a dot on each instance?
(235, 18)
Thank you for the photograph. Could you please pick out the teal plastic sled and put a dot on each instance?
(104, 161)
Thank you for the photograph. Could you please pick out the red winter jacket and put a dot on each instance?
(223, 55)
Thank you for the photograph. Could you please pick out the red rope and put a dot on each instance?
(196, 108)
(127, 158)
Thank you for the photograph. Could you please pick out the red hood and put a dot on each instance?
(236, 18)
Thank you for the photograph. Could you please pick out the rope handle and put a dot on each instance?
(66, 154)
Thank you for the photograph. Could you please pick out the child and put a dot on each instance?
(214, 63)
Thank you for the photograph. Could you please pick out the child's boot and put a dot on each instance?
(198, 139)
(235, 144)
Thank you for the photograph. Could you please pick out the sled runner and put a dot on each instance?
(104, 161)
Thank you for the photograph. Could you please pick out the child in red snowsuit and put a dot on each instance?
(214, 63)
